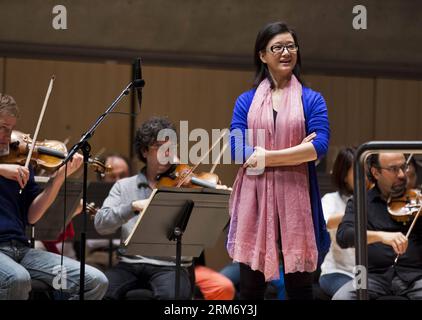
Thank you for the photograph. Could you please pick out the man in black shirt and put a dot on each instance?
(386, 237)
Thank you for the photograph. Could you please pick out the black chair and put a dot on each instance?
(319, 294)
(40, 290)
(147, 294)
(139, 294)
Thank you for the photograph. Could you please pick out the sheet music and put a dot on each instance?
(141, 214)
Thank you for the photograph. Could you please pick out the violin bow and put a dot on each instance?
(408, 159)
(410, 229)
(37, 129)
(217, 161)
(203, 157)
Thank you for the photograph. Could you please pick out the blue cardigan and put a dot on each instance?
(316, 120)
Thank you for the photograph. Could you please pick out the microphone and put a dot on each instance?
(138, 82)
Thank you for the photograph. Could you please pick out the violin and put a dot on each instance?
(404, 208)
(182, 175)
(91, 209)
(47, 154)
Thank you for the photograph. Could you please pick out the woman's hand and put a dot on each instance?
(257, 159)
(15, 172)
(309, 138)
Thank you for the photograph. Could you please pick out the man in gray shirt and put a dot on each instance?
(126, 199)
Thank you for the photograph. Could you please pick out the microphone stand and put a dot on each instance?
(85, 147)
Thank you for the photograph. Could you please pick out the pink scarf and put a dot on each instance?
(276, 202)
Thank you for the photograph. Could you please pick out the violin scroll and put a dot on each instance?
(99, 166)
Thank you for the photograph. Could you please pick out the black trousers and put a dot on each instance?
(159, 279)
(252, 284)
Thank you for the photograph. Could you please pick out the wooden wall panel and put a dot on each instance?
(203, 97)
(350, 103)
(81, 92)
(1, 75)
(398, 110)
(224, 30)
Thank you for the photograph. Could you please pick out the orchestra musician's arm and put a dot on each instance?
(15, 172)
(113, 214)
(346, 234)
(44, 200)
(334, 220)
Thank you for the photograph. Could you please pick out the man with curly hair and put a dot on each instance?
(126, 199)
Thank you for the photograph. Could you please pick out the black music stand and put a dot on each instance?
(179, 219)
(50, 226)
(97, 191)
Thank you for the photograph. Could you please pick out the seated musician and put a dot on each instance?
(18, 262)
(98, 251)
(412, 174)
(126, 199)
(385, 236)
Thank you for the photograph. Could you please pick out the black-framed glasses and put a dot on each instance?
(278, 48)
(158, 145)
(396, 169)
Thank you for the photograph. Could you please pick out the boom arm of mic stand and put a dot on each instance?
(86, 148)
(100, 119)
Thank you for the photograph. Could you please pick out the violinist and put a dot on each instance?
(394, 261)
(412, 174)
(18, 262)
(120, 168)
(337, 268)
(126, 199)
(98, 250)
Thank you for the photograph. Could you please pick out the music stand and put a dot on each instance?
(97, 191)
(176, 219)
(50, 226)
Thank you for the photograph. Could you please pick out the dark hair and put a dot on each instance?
(264, 36)
(412, 161)
(372, 161)
(8, 105)
(342, 165)
(147, 133)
